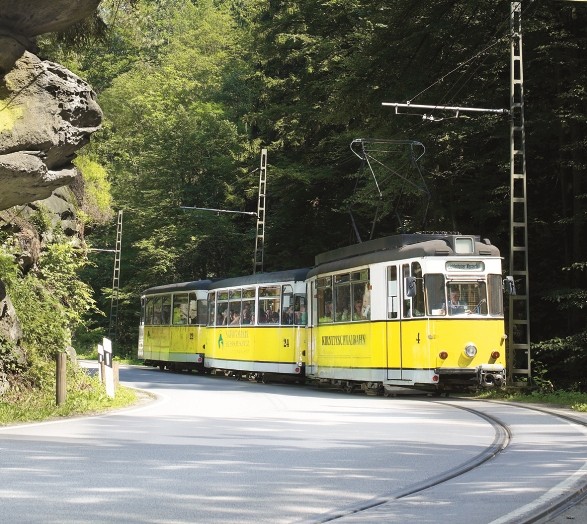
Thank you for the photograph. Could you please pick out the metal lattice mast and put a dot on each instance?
(260, 239)
(519, 359)
(112, 328)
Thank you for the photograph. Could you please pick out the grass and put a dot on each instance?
(567, 399)
(85, 395)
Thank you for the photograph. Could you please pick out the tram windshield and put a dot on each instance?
(461, 297)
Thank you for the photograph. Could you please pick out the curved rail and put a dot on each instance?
(500, 442)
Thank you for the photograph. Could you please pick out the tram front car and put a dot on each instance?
(431, 314)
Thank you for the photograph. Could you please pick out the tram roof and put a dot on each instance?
(193, 285)
(398, 247)
(289, 275)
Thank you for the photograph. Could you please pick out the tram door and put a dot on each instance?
(393, 330)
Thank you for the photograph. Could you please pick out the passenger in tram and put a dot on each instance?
(358, 312)
(288, 315)
(246, 317)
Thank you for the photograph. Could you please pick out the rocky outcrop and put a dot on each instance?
(21, 20)
(46, 112)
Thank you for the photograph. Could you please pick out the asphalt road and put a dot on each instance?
(211, 449)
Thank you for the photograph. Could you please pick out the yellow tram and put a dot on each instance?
(420, 310)
(256, 325)
(383, 313)
(172, 332)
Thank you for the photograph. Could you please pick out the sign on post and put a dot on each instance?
(108, 367)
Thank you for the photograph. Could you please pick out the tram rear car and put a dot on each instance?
(382, 316)
(256, 325)
(172, 332)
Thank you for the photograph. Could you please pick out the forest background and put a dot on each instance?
(192, 90)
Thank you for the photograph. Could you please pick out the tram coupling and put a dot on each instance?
(491, 376)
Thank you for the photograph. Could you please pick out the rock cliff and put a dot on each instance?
(46, 112)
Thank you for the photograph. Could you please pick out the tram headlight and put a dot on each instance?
(470, 350)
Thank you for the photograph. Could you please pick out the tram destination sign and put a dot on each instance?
(465, 265)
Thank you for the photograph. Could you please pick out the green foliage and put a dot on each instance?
(97, 200)
(85, 394)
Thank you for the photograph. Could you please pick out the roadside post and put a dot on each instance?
(108, 367)
(60, 380)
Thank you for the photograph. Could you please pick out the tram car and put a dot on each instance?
(421, 311)
(256, 325)
(172, 331)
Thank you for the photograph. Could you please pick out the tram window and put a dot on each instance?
(287, 305)
(149, 310)
(166, 310)
(269, 307)
(392, 292)
(325, 308)
(418, 300)
(342, 298)
(361, 301)
(157, 310)
(180, 309)
(435, 296)
(248, 312)
(495, 295)
(234, 318)
(222, 311)
(467, 298)
(202, 309)
(211, 308)
(413, 306)
(300, 310)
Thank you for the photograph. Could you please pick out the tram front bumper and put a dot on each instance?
(485, 376)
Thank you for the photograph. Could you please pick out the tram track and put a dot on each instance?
(502, 439)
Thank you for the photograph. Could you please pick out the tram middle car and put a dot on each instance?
(420, 311)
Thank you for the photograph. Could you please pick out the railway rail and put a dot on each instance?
(555, 499)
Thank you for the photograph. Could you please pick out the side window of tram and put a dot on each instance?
(234, 307)
(211, 308)
(392, 292)
(494, 284)
(324, 300)
(157, 311)
(248, 310)
(269, 307)
(222, 311)
(180, 309)
(413, 306)
(342, 298)
(149, 311)
(166, 310)
(435, 296)
(287, 305)
(300, 310)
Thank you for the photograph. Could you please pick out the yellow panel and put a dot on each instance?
(255, 344)
(424, 340)
(360, 345)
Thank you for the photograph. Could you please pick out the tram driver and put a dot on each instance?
(455, 306)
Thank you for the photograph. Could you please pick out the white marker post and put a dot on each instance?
(108, 368)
